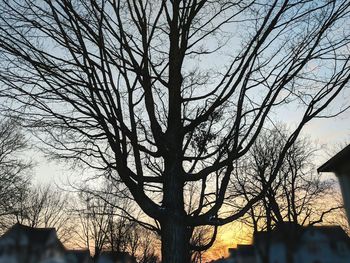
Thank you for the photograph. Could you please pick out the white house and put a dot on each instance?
(293, 243)
(340, 165)
(312, 244)
(23, 244)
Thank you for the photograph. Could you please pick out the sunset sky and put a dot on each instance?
(164, 105)
(330, 134)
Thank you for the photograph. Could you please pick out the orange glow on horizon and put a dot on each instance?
(228, 237)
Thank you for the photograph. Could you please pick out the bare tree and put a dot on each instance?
(201, 237)
(119, 234)
(297, 194)
(170, 93)
(106, 225)
(142, 244)
(94, 217)
(14, 170)
(45, 206)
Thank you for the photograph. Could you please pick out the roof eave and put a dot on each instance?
(337, 161)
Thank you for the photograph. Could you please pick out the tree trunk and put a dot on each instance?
(175, 241)
(174, 233)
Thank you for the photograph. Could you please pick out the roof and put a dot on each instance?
(292, 231)
(114, 255)
(283, 231)
(220, 260)
(341, 158)
(334, 233)
(245, 250)
(79, 255)
(34, 235)
(232, 251)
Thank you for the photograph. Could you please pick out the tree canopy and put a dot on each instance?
(166, 94)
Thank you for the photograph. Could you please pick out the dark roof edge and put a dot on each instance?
(330, 165)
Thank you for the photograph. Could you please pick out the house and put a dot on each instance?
(290, 242)
(115, 257)
(78, 256)
(23, 244)
(294, 243)
(340, 165)
(245, 254)
(223, 260)
(241, 254)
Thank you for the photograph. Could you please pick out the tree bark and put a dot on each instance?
(175, 241)
(174, 232)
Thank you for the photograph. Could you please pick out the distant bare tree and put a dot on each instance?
(44, 206)
(202, 236)
(171, 93)
(14, 170)
(297, 194)
(94, 218)
(119, 234)
(108, 227)
(142, 244)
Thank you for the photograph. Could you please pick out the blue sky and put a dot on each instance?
(331, 134)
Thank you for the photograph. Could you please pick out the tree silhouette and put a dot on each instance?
(166, 94)
(298, 196)
(14, 171)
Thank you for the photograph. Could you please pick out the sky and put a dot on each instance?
(328, 133)
(331, 134)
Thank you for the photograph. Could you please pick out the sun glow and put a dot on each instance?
(228, 237)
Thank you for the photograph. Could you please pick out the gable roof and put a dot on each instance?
(341, 158)
(292, 231)
(245, 250)
(333, 233)
(283, 231)
(38, 236)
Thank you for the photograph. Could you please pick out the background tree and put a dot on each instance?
(95, 218)
(142, 244)
(14, 170)
(44, 206)
(20, 201)
(298, 193)
(201, 237)
(105, 224)
(170, 93)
